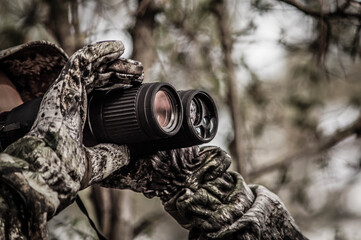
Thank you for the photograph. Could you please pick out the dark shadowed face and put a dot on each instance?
(9, 97)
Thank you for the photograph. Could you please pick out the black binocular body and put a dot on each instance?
(149, 117)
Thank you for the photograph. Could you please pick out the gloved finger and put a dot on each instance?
(99, 52)
(197, 207)
(124, 65)
(65, 102)
(255, 217)
(121, 73)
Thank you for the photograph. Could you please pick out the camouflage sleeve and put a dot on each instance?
(46, 168)
(12, 214)
(197, 189)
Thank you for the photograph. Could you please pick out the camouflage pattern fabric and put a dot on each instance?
(46, 168)
(32, 67)
(42, 172)
(197, 189)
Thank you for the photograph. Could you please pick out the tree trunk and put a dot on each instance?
(61, 24)
(113, 209)
(116, 219)
(218, 8)
(142, 34)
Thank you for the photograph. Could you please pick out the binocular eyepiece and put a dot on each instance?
(149, 117)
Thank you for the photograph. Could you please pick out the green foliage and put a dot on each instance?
(300, 194)
(309, 72)
(68, 226)
(302, 104)
(10, 36)
(339, 234)
(355, 99)
(263, 6)
(31, 14)
(19, 19)
(256, 94)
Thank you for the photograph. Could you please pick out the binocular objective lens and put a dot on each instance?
(164, 109)
(194, 112)
(202, 117)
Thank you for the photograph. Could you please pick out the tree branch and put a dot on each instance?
(356, 40)
(147, 222)
(311, 150)
(340, 12)
(218, 8)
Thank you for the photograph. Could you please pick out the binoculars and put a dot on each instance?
(149, 117)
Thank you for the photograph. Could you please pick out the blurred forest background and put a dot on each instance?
(285, 76)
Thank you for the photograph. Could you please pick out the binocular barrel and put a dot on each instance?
(148, 112)
(149, 117)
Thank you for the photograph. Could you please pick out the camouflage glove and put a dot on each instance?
(49, 165)
(213, 203)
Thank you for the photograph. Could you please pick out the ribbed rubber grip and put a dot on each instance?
(127, 116)
(120, 118)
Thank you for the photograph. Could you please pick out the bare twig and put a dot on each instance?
(356, 39)
(309, 151)
(339, 12)
(147, 222)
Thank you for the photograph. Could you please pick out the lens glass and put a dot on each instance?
(202, 117)
(164, 109)
(195, 112)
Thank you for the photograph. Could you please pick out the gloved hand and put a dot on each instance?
(192, 183)
(49, 165)
(213, 203)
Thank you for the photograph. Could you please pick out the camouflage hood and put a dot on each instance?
(32, 67)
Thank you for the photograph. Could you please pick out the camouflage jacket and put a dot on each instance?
(42, 172)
